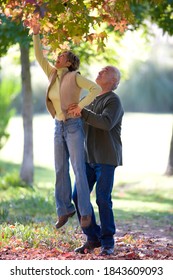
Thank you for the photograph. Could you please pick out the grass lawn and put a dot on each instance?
(142, 195)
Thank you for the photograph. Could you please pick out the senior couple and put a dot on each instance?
(88, 133)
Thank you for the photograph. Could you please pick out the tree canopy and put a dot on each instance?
(75, 21)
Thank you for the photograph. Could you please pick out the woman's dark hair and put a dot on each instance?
(75, 62)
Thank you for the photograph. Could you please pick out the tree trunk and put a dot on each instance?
(27, 167)
(169, 170)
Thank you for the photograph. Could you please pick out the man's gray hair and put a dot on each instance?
(116, 75)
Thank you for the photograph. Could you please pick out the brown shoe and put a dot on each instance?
(88, 246)
(85, 221)
(62, 220)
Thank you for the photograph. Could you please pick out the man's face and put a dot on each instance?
(62, 61)
(104, 76)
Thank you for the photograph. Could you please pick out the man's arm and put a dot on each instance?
(110, 116)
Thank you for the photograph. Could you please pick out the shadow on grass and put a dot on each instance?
(6, 167)
(27, 205)
(144, 197)
(41, 174)
(38, 205)
(152, 189)
(35, 209)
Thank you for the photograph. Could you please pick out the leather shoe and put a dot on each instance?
(88, 246)
(106, 251)
(85, 221)
(62, 220)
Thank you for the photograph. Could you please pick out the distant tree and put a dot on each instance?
(169, 170)
(10, 34)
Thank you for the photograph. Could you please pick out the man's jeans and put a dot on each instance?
(103, 176)
(69, 142)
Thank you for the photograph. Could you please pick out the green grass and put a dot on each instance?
(25, 203)
(130, 199)
(27, 215)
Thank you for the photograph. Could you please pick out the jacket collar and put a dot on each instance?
(62, 71)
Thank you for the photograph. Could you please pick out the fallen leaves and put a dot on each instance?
(127, 247)
(44, 242)
(132, 247)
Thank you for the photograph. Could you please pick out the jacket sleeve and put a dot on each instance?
(45, 65)
(92, 87)
(108, 118)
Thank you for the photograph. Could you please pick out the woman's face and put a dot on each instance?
(62, 60)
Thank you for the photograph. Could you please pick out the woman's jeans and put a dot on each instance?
(103, 176)
(69, 144)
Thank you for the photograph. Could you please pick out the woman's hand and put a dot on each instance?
(35, 26)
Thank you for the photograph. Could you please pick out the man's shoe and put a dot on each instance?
(63, 219)
(85, 221)
(88, 247)
(107, 251)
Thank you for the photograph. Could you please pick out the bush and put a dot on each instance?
(4, 212)
(12, 180)
(8, 88)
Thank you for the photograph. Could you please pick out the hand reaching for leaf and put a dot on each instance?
(74, 109)
(35, 26)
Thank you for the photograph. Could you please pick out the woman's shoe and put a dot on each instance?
(62, 220)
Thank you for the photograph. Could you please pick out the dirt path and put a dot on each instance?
(144, 228)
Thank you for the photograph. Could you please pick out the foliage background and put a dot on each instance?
(145, 64)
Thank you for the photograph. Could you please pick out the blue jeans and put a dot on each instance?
(69, 144)
(103, 176)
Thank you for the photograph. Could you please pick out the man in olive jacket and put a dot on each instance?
(103, 147)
